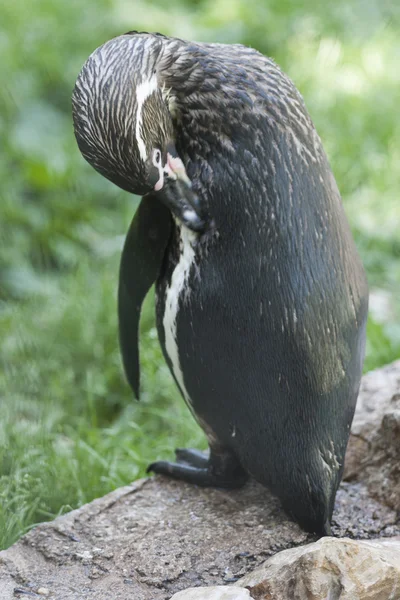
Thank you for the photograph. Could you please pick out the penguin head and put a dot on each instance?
(124, 128)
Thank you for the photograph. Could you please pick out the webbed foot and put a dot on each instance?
(192, 457)
(218, 469)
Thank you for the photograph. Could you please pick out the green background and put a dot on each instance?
(69, 428)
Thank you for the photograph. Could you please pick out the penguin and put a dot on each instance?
(261, 297)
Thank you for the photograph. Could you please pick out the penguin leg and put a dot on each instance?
(220, 469)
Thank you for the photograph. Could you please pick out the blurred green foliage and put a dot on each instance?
(69, 430)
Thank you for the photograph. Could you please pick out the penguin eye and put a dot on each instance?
(156, 157)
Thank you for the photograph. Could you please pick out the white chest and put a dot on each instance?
(174, 295)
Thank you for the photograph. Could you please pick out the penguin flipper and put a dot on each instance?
(141, 261)
(220, 469)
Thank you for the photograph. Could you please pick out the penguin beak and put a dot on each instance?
(184, 204)
(177, 195)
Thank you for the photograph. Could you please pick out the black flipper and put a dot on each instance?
(141, 262)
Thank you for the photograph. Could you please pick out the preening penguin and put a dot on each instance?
(261, 297)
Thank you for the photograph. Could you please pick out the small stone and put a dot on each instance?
(85, 556)
(42, 591)
(213, 593)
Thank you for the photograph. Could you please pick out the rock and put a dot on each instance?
(328, 570)
(157, 537)
(325, 570)
(213, 593)
(373, 454)
(149, 540)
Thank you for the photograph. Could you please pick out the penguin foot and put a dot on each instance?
(193, 466)
(192, 457)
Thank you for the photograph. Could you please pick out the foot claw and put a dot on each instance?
(162, 467)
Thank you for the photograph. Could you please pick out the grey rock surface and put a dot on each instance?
(157, 537)
(373, 454)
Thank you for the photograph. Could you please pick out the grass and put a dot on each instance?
(69, 428)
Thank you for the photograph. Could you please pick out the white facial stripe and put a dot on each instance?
(143, 91)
